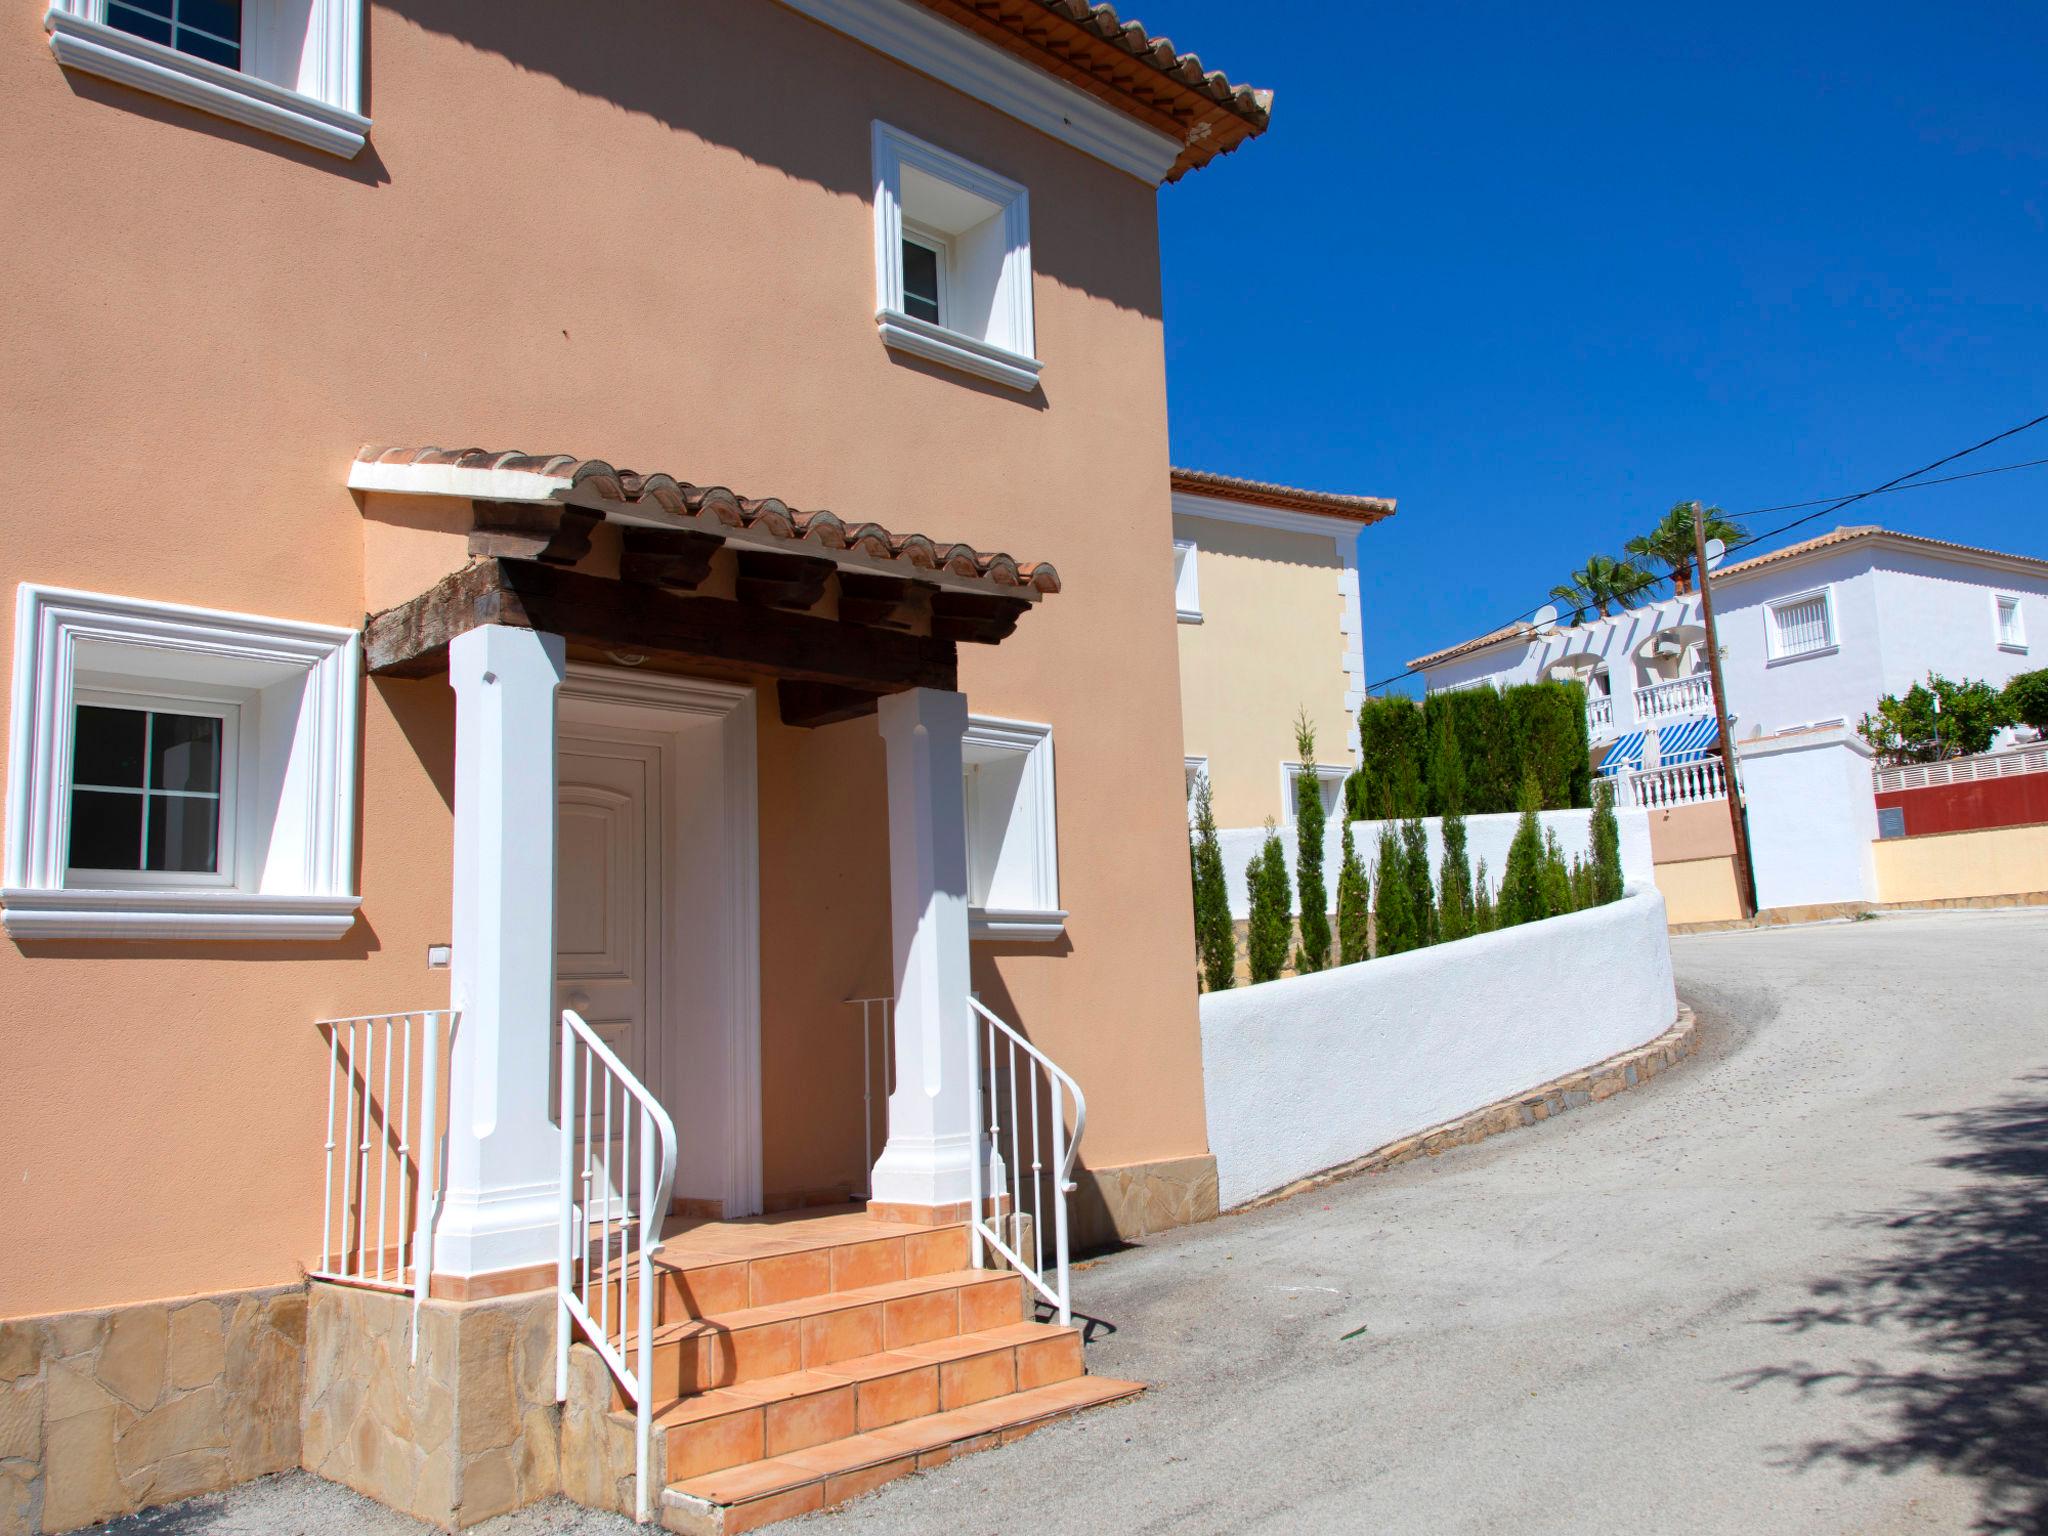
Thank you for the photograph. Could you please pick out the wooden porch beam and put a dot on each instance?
(813, 704)
(411, 640)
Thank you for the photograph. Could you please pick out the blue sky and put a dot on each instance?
(1540, 271)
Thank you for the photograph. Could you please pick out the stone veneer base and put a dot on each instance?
(106, 1412)
(1602, 1080)
(1114, 1205)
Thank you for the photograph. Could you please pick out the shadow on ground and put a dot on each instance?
(1965, 1277)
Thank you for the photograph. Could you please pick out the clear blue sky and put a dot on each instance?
(1540, 271)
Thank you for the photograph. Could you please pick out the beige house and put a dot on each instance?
(443, 872)
(1266, 594)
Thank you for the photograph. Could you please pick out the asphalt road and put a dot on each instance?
(1800, 1284)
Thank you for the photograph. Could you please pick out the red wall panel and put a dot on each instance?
(2010, 802)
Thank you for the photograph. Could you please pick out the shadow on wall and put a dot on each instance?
(1966, 1278)
(698, 68)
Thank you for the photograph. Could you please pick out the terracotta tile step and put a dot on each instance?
(745, 1497)
(727, 1348)
(780, 1414)
(723, 1273)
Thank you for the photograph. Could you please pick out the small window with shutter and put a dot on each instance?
(1800, 626)
(2012, 632)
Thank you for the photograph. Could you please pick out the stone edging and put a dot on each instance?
(1602, 1080)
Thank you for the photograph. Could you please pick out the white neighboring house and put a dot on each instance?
(1812, 636)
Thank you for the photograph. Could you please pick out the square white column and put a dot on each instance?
(503, 1145)
(930, 1150)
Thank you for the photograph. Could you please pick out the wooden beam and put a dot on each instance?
(411, 640)
(777, 580)
(667, 557)
(969, 616)
(867, 597)
(813, 704)
(532, 530)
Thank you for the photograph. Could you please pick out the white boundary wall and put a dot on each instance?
(1310, 1072)
(1486, 837)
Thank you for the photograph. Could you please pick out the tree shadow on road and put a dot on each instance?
(1965, 1278)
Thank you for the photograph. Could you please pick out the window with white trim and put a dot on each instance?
(952, 261)
(1329, 785)
(1198, 774)
(178, 773)
(1187, 585)
(2011, 626)
(290, 67)
(1800, 626)
(1013, 875)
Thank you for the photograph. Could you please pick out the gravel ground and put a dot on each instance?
(1798, 1285)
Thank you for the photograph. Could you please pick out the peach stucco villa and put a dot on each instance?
(437, 875)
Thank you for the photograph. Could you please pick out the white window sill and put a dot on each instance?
(1188, 615)
(956, 349)
(2017, 650)
(1015, 927)
(174, 914)
(99, 49)
(1822, 650)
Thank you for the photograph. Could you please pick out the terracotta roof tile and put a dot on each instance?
(770, 516)
(1263, 493)
(1478, 643)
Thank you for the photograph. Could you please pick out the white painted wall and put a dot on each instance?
(1308, 1073)
(1812, 818)
(1486, 837)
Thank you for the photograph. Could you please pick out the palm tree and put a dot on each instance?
(1599, 585)
(1670, 542)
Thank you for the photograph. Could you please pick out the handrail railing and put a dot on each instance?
(364, 1240)
(1013, 1201)
(872, 1009)
(1656, 789)
(1599, 712)
(584, 1290)
(2031, 757)
(1675, 696)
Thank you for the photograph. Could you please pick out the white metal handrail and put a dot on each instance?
(871, 1010)
(1001, 1203)
(2032, 758)
(1657, 789)
(591, 1185)
(363, 1239)
(1675, 696)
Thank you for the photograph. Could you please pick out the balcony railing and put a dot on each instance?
(1679, 696)
(1599, 714)
(1659, 789)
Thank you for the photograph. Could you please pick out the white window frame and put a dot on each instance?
(1187, 582)
(237, 749)
(1005, 354)
(1326, 773)
(1774, 650)
(2017, 641)
(322, 108)
(294, 688)
(1038, 916)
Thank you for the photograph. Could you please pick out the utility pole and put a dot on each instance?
(1745, 872)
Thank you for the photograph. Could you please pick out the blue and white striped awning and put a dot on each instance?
(1627, 752)
(1690, 741)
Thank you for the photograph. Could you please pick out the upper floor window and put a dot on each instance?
(1799, 626)
(2012, 629)
(1187, 586)
(290, 67)
(952, 261)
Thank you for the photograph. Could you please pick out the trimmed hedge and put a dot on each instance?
(1468, 752)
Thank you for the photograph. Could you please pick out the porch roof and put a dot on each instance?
(839, 611)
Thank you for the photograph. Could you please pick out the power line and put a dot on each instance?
(1827, 507)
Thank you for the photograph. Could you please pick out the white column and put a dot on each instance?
(502, 1142)
(931, 1136)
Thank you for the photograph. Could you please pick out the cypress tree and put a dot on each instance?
(1313, 953)
(1266, 875)
(1446, 762)
(1606, 845)
(1483, 917)
(1354, 904)
(1557, 877)
(1215, 935)
(1421, 890)
(1521, 883)
(1454, 885)
(1393, 911)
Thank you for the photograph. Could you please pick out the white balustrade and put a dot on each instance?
(1599, 713)
(383, 1152)
(2030, 758)
(1014, 1079)
(1679, 696)
(608, 1197)
(1659, 789)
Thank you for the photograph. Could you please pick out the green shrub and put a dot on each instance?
(1354, 905)
(1909, 728)
(1393, 907)
(1551, 741)
(1215, 935)
(1484, 918)
(1556, 881)
(1606, 838)
(1454, 884)
(1421, 889)
(1392, 765)
(1521, 883)
(1313, 953)
(2026, 699)
(1446, 764)
(1469, 750)
(1486, 748)
(1267, 941)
